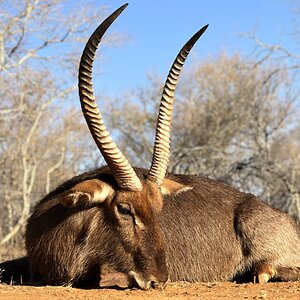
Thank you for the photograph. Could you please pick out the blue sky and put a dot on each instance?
(159, 28)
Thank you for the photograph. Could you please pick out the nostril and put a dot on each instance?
(158, 285)
(153, 285)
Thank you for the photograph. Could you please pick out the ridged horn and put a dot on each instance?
(161, 152)
(122, 170)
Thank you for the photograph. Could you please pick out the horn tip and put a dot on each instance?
(203, 29)
(124, 5)
(120, 9)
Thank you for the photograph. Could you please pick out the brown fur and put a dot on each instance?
(206, 231)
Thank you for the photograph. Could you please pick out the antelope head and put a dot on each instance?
(133, 203)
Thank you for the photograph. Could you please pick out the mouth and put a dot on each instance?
(115, 280)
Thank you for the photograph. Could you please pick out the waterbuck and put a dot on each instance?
(123, 226)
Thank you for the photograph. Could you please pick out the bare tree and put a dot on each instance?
(282, 170)
(41, 132)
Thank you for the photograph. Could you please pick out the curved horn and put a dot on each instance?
(122, 170)
(161, 152)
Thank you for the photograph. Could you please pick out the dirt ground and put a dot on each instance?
(180, 290)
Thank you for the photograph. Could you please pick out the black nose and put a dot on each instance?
(159, 284)
(154, 285)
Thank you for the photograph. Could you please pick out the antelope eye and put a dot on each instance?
(124, 209)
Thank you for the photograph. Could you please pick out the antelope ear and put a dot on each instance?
(86, 193)
(172, 187)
